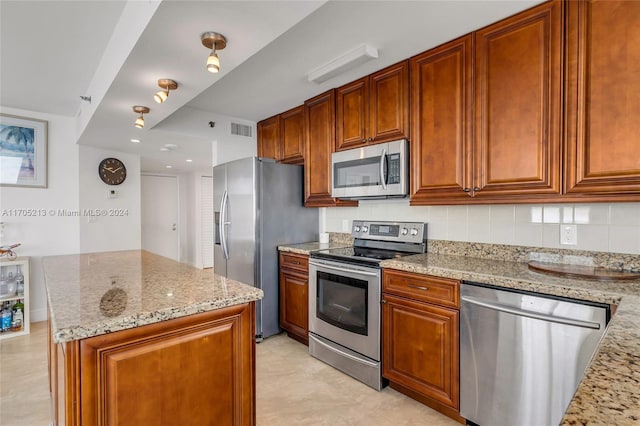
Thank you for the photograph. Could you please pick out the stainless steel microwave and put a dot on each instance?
(375, 171)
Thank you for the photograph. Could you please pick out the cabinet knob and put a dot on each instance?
(475, 188)
(383, 301)
(370, 139)
(467, 190)
(364, 140)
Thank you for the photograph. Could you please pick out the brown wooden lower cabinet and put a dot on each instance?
(420, 343)
(294, 296)
(194, 370)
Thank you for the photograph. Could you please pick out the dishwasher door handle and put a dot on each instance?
(529, 314)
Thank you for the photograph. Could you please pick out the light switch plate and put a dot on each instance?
(569, 235)
(345, 225)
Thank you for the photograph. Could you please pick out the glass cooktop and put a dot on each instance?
(359, 254)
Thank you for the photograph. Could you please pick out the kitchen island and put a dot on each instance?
(136, 338)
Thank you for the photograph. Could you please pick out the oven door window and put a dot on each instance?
(356, 173)
(342, 302)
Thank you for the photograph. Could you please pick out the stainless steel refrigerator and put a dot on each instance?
(258, 205)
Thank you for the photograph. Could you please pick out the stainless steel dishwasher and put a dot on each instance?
(522, 355)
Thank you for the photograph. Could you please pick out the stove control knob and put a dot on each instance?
(365, 229)
(356, 228)
(405, 231)
(414, 231)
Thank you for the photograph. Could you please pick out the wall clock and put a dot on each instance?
(112, 171)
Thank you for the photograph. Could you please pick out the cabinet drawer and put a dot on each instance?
(299, 262)
(441, 291)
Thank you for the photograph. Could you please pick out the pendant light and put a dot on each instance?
(213, 41)
(166, 84)
(140, 110)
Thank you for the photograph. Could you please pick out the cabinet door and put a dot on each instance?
(294, 304)
(292, 136)
(389, 104)
(603, 51)
(156, 374)
(269, 138)
(441, 111)
(420, 348)
(352, 114)
(319, 124)
(518, 97)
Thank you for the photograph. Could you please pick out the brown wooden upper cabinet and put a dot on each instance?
(373, 109)
(319, 125)
(282, 137)
(441, 115)
(269, 137)
(511, 81)
(603, 94)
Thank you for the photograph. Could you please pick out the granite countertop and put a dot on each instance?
(98, 293)
(306, 248)
(610, 390)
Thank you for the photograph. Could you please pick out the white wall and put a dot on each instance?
(604, 227)
(110, 232)
(191, 235)
(52, 234)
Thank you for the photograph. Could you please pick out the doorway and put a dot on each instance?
(159, 199)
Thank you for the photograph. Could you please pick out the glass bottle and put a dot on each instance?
(4, 285)
(18, 316)
(19, 281)
(5, 317)
(11, 283)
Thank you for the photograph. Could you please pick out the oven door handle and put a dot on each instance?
(345, 354)
(337, 268)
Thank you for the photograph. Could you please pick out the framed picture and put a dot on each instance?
(23, 151)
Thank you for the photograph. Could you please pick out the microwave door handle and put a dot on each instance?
(383, 161)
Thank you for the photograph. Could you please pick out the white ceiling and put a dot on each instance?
(271, 48)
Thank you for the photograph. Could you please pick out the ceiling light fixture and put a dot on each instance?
(140, 110)
(135, 140)
(213, 41)
(167, 84)
(168, 167)
(342, 63)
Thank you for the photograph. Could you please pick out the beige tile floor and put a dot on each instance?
(292, 389)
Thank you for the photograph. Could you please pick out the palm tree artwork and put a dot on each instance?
(18, 141)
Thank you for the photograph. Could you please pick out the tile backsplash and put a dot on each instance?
(613, 227)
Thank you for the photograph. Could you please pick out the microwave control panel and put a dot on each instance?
(393, 172)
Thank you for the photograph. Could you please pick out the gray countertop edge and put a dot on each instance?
(78, 332)
(307, 248)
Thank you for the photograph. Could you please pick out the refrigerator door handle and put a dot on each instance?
(223, 222)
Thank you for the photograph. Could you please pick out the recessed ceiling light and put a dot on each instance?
(170, 146)
(168, 167)
(189, 160)
(135, 140)
(164, 149)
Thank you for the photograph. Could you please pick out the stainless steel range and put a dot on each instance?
(344, 296)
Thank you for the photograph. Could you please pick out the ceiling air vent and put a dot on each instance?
(240, 129)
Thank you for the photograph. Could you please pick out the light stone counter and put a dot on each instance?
(306, 248)
(609, 393)
(99, 293)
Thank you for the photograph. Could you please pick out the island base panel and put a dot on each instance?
(193, 370)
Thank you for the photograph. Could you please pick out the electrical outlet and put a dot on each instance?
(569, 235)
